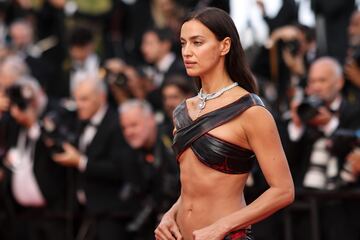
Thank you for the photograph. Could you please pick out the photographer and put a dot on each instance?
(124, 81)
(98, 158)
(36, 183)
(313, 166)
(283, 64)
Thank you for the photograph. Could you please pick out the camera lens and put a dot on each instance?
(308, 108)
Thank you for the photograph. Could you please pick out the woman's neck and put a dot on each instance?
(214, 83)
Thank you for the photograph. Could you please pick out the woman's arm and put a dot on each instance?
(167, 228)
(263, 138)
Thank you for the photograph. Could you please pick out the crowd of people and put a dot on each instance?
(87, 94)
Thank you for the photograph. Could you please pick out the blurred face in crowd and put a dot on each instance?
(152, 48)
(11, 69)
(21, 35)
(172, 96)
(80, 53)
(354, 29)
(138, 127)
(7, 76)
(88, 100)
(200, 48)
(324, 80)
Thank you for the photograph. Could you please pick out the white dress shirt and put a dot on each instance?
(24, 185)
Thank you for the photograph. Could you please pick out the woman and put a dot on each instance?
(217, 135)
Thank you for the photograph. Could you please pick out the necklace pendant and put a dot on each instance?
(202, 104)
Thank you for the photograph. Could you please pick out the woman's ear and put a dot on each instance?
(225, 45)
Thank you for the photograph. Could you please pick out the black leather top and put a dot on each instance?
(210, 150)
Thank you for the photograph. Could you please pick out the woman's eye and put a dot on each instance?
(197, 43)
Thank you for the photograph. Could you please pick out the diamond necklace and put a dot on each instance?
(208, 96)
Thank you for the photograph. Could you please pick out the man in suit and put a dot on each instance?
(158, 175)
(312, 161)
(36, 54)
(98, 158)
(37, 185)
(156, 48)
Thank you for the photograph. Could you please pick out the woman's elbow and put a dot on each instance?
(289, 195)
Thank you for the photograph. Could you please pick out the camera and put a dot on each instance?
(343, 142)
(119, 79)
(308, 108)
(57, 128)
(292, 45)
(20, 95)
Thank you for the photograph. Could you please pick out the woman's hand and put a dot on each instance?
(214, 231)
(168, 229)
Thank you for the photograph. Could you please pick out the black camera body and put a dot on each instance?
(20, 95)
(119, 79)
(309, 108)
(292, 45)
(57, 127)
(343, 141)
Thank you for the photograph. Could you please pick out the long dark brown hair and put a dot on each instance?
(221, 24)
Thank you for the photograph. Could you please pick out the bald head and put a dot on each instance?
(330, 64)
(325, 79)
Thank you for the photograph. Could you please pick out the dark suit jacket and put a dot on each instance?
(50, 176)
(103, 177)
(155, 97)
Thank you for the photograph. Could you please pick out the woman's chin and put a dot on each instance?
(192, 73)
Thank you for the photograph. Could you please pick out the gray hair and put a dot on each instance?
(336, 66)
(17, 65)
(135, 103)
(89, 78)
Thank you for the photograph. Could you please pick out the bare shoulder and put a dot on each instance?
(257, 117)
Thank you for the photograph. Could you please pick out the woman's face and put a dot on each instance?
(201, 51)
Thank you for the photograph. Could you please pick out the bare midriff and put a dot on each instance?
(207, 195)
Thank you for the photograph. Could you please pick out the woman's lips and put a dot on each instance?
(189, 64)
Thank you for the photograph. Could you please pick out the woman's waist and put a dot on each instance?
(210, 208)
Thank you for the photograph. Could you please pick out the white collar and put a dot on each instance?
(99, 115)
(165, 63)
(335, 104)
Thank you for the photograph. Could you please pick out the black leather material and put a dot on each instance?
(212, 151)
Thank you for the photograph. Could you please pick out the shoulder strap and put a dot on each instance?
(185, 136)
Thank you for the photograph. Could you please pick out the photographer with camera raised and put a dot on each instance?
(98, 158)
(37, 185)
(283, 64)
(124, 81)
(313, 121)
